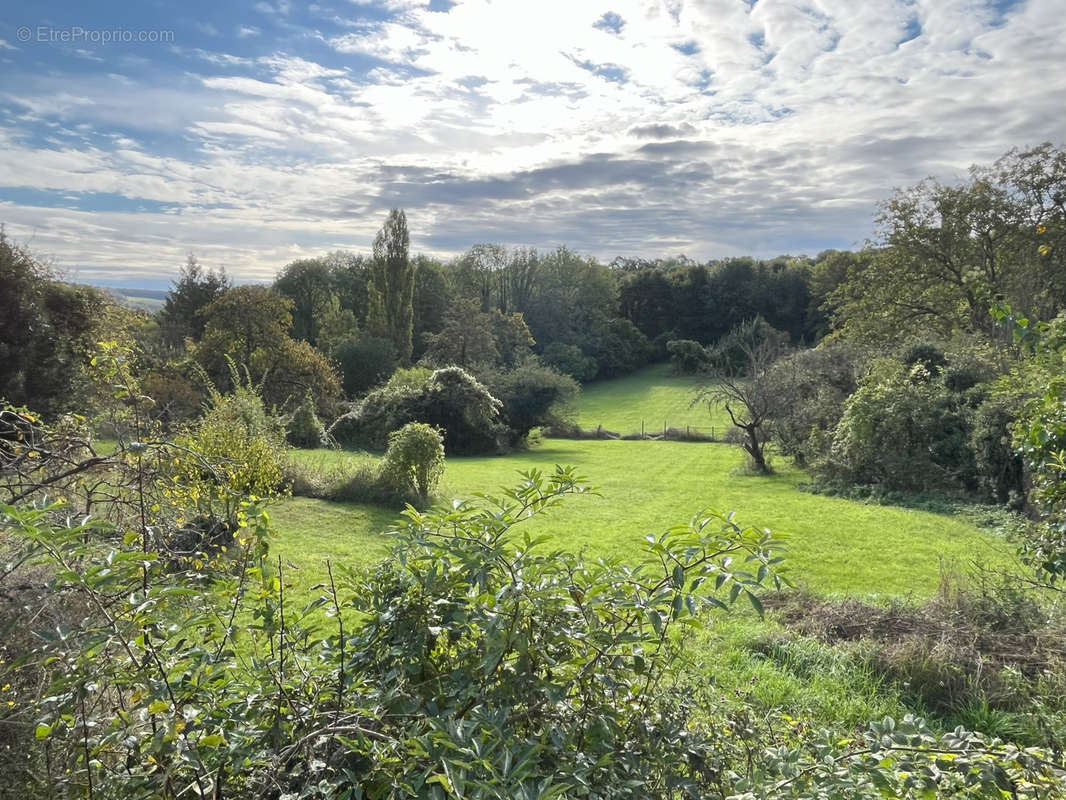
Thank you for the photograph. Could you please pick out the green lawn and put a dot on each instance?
(836, 546)
(653, 395)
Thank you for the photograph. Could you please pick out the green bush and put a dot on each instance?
(452, 400)
(902, 429)
(1000, 471)
(239, 449)
(414, 460)
(687, 356)
(305, 429)
(533, 396)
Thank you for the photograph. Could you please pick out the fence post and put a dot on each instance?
(642, 429)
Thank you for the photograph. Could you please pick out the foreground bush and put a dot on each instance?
(239, 448)
(471, 663)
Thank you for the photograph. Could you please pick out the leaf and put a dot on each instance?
(212, 740)
(679, 576)
(756, 603)
(656, 621)
(43, 731)
(444, 781)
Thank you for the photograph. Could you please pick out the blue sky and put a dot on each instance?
(256, 133)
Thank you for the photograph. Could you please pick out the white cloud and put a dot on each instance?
(734, 129)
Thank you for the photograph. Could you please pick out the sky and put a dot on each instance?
(256, 133)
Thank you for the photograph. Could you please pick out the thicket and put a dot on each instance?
(450, 399)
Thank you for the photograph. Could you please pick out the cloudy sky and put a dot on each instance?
(256, 133)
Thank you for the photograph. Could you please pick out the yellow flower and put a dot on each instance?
(1041, 228)
(1043, 249)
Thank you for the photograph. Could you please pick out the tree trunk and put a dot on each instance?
(755, 450)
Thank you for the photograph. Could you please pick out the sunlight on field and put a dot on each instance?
(836, 546)
(652, 395)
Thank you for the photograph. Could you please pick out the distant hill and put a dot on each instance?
(150, 300)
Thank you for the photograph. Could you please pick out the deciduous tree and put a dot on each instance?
(392, 282)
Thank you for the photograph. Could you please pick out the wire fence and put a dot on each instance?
(647, 430)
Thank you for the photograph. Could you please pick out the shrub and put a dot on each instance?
(239, 449)
(902, 429)
(533, 396)
(452, 400)
(687, 356)
(1000, 472)
(304, 428)
(414, 460)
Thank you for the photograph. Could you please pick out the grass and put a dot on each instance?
(314, 531)
(653, 395)
(835, 545)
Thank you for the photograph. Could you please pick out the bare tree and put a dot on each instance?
(740, 373)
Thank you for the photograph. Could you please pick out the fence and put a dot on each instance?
(677, 433)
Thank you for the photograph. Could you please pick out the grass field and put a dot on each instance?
(836, 546)
(653, 395)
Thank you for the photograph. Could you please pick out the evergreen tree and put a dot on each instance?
(194, 290)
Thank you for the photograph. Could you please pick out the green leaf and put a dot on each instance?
(756, 603)
(444, 781)
(656, 621)
(43, 731)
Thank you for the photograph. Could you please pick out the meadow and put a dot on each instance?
(652, 395)
(835, 546)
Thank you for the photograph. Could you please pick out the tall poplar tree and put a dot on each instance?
(392, 284)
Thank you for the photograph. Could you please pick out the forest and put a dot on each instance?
(786, 528)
